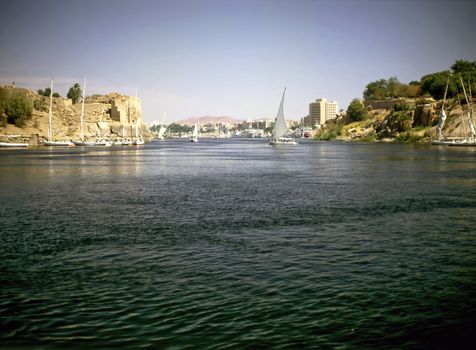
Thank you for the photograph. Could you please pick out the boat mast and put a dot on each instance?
(50, 134)
(470, 119)
(442, 116)
(81, 135)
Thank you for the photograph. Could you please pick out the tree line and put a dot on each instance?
(431, 85)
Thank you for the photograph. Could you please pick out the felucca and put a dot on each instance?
(280, 130)
(49, 141)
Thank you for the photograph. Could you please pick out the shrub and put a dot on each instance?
(408, 137)
(75, 93)
(17, 107)
(329, 133)
(357, 111)
(3, 117)
(40, 105)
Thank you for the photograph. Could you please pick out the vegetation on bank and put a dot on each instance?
(15, 107)
(404, 121)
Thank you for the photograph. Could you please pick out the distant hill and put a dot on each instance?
(209, 119)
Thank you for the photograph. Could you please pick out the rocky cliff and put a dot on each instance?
(406, 121)
(100, 120)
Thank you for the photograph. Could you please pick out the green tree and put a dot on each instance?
(357, 111)
(55, 94)
(45, 92)
(393, 87)
(435, 85)
(376, 90)
(17, 108)
(75, 93)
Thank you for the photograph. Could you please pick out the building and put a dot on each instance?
(320, 111)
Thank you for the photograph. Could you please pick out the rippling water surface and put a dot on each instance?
(238, 245)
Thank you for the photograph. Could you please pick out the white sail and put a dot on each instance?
(471, 124)
(162, 129)
(194, 137)
(280, 128)
(441, 123)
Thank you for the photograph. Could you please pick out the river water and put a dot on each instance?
(238, 245)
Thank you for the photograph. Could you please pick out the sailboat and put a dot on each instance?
(194, 137)
(50, 141)
(280, 130)
(160, 134)
(81, 141)
(441, 120)
(139, 140)
(162, 129)
(471, 140)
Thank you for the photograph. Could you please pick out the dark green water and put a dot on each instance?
(238, 245)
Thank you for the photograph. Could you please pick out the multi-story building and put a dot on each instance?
(320, 111)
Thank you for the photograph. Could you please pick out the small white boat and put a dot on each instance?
(194, 137)
(11, 144)
(84, 143)
(280, 130)
(103, 142)
(59, 143)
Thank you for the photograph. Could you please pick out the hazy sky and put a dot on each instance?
(193, 58)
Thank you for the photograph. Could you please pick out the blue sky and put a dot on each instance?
(193, 57)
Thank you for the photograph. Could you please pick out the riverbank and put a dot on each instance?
(406, 120)
(110, 116)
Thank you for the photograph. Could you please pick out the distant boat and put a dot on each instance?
(194, 137)
(81, 141)
(50, 141)
(160, 135)
(139, 140)
(280, 130)
(8, 144)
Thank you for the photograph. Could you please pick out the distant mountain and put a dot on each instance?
(209, 119)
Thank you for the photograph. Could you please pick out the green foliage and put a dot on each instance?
(368, 138)
(376, 90)
(357, 111)
(45, 92)
(435, 85)
(402, 120)
(401, 107)
(16, 106)
(40, 105)
(179, 129)
(3, 117)
(391, 88)
(408, 137)
(75, 93)
(329, 132)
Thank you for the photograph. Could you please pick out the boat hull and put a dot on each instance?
(287, 141)
(58, 143)
(7, 144)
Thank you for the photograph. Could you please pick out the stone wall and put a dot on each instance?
(126, 109)
(389, 104)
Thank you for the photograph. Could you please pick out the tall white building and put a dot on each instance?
(320, 111)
